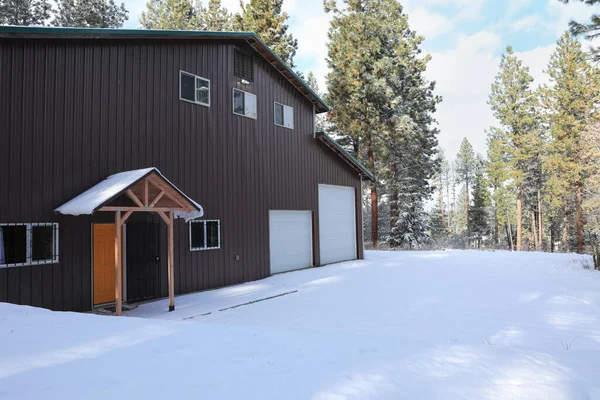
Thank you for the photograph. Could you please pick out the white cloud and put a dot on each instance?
(527, 24)
(464, 77)
(311, 33)
(461, 9)
(563, 13)
(515, 6)
(429, 25)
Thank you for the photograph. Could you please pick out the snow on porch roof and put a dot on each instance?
(95, 197)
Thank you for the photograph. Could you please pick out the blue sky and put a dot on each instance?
(465, 39)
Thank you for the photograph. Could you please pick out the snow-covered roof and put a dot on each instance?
(95, 197)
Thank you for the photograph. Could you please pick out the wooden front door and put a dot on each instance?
(104, 263)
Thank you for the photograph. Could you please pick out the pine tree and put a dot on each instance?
(465, 169)
(172, 14)
(320, 119)
(590, 30)
(24, 12)
(498, 172)
(515, 106)
(479, 221)
(571, 104)
(382, 103)
(268, 21)
(215, 17)
(90, 14)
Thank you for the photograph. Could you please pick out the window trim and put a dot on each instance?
(233, 103)
(284, 107)
(29, 244)
(204, 222)
(196, 77)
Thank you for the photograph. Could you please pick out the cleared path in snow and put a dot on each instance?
(414, 325)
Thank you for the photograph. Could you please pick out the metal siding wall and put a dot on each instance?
(80, 110)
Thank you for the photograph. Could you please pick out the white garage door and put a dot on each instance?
(290, 240)
(337, 223)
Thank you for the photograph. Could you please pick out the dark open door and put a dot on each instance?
(143, 261)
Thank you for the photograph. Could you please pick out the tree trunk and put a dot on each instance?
(442, 207)
(534, 230)
(374, 211)
(579, 220)
(449, 205)
(540, 221)
(393, 208)
(519, 217)
(551, 238)
(495, 226)
(467, 208)
(510, 237)
(565, 238)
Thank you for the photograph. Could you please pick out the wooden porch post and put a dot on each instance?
(118, 263)
(171, 268)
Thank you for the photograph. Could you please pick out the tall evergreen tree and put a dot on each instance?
(382, 103)
(24, 12)
(498, 172)
(320, 119)
(589, 30)
(172, 14)
(571, 101)
(90, 14)
(268, 21)
(215, 17)
(465, 169)
(479, 221)
(515, 107)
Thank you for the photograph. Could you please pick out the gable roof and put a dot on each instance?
(115, 185)
(349, 158)
(101, 33)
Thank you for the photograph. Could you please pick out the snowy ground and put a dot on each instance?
(438, 325)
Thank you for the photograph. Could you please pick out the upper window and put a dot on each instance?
(205, 235)
(242, 66)
(194, 88)
(244, 103)
(284, 115)
(28, 244)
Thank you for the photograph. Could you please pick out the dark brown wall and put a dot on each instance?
(74, 111)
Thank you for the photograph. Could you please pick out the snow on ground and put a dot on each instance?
(398, 325)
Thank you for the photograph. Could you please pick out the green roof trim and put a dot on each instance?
(349, 158)
(97, 33)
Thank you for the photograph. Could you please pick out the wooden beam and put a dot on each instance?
(126, 216)
(164, 217)
(155, 209)
(146, 192)
(133, 197)
(157, 198)
(171, 268)
(118, 269)
(159, 184)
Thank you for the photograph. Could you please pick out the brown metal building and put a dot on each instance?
(215, 118)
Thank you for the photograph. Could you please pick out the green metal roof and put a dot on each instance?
(99, 33)
(349, 158)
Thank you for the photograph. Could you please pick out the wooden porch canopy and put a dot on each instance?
(142, 190)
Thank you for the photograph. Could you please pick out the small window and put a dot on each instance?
(284, 116)
(242, 66)
(244, 103)
(28, 244)
(205, 235)
(194, 89)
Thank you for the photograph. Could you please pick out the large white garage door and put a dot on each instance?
(290, 240)
(337, 223)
